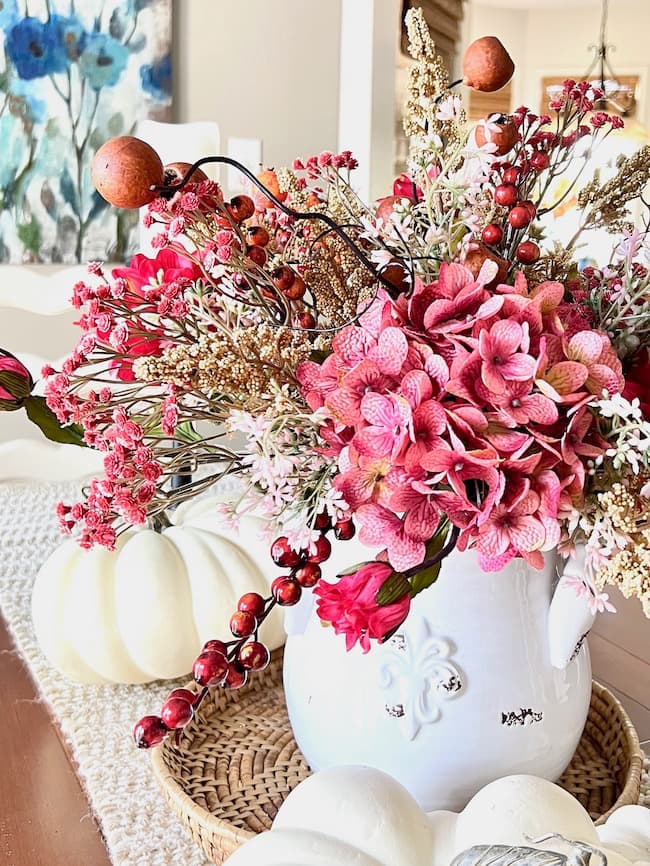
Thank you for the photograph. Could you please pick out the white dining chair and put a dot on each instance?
(36, 325)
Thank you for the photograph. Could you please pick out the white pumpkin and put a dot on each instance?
(143, 611)
(345, 816)
(358, 816)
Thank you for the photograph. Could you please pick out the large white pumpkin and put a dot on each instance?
(143, 611)
(358, 816)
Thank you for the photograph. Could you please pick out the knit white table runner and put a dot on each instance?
(138, 827)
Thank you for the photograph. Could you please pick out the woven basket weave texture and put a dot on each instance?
(237, 761)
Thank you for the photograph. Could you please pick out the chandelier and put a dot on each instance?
(618, 96)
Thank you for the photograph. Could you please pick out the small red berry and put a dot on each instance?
(344, 530)
(253, 603)
(296, 290)
(519, 217)
(241, 208)
(283, 554)
(308, 574)
(176, 713)
(149, 732)
(283, 278)
(322, 552)
(286, 591)
(492, 234)
(243, 623)
(185, 694)
(235, 678)
(530, 207)
(306, 320)
(215, 646)
(506, 194)
(209, 668)
(257, 255)
(539, 160)
(254, 656)
(511, 175)
(323, 521)
(257, 236)
(527, 253)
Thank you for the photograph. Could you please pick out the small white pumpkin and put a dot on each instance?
(345, 816)
(143, 611)
(358, 816)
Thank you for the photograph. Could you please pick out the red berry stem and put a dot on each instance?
(227, 664)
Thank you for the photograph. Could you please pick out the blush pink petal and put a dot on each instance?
(527, 533)
(518, 367)
(585, 347)
(390, 352)
(602, 378)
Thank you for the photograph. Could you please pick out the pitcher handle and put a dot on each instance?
(570, 615)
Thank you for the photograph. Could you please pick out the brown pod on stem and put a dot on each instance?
(501, 132)
(476, 258)
(487, 66)
(175, 172)
(124, 170)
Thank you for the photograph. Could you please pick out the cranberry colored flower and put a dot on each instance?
(404, 187)
(351, 606)
(166, 267)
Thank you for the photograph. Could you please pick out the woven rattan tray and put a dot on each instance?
(237, 760)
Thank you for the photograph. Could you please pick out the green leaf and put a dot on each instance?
(426, 578)
(392, 589)
(116, 124)
(185, 432)
(69, 190)
(40, 414)
(98, 205)
(30, 235)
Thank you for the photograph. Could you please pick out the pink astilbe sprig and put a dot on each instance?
(138, 426)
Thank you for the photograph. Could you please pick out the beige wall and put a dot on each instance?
(264, 69)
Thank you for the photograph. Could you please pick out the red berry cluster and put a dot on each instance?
(522, 212)
(227, 664)
(256, 230)
(534, 149)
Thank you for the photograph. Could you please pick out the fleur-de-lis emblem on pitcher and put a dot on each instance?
(419, 676)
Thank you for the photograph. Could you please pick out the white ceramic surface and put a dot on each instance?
(463, 694)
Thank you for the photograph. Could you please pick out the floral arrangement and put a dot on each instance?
(427, 370)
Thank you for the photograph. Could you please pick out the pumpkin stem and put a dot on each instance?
(159, 521)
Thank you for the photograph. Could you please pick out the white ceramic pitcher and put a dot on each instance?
(488, 676)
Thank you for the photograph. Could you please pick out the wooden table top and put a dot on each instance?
(45, 818)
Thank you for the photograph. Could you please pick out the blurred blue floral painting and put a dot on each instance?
(73, 73)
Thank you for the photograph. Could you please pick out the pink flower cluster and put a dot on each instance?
(315, 165)
(465, 402)
(124, 318)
